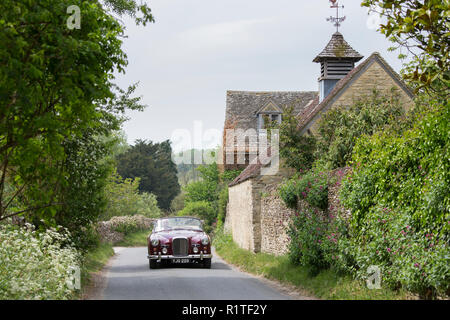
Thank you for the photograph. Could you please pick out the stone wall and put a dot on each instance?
(241, 207)
(335, 207)
(375, 77)
(250, 216)
(275, 218)
(259, 220)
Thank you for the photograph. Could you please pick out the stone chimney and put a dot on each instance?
(336, 61)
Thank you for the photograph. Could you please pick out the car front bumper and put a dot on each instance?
(160, 257)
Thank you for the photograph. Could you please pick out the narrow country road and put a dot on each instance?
(129, 277)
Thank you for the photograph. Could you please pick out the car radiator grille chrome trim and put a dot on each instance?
(180, 247)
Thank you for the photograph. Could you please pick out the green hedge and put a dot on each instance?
(399, 195)
(311, 187)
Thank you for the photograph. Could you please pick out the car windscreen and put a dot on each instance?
(177, 223)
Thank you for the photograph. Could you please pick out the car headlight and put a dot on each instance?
(205, 241)
(164, 250)
(195, 249)
(155, 242)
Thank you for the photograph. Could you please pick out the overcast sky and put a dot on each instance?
(199, 49)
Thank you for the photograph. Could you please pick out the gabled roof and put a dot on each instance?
(270, 107)
(338, 48)
(313, 110)
(242, 106)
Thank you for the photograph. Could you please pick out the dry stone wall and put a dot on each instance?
(275, 219)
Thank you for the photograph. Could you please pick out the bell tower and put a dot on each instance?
(337, 59)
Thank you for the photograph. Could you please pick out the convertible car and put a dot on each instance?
(179, 240)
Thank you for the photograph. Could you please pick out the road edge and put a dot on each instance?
(296, 293)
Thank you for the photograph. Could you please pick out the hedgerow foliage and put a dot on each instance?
(398, 196)
(311, 187)
(411, 172)
(399, 199)
(130, 224)
(200, 209)
(296, 150)
(306, 231)
(36, 265)
(339, 128)
(124, 199)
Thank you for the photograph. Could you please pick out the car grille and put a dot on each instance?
(180, 247)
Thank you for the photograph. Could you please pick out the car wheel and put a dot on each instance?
(207, 263)
(153, 264)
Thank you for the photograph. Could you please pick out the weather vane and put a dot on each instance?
(336, 20)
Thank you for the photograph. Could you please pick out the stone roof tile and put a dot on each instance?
(313, 109)
(338, 48)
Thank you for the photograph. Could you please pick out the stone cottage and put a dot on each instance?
(257, 220)
(246, 117)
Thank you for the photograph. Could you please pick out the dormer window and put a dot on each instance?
(270, 112)
(263, 119)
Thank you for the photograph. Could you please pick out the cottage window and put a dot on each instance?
(264, 118)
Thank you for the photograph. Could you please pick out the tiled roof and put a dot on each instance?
(242, 106)
(251, 171)
(312, 110)
(338, 48)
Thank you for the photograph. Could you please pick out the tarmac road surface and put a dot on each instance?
(129, 277)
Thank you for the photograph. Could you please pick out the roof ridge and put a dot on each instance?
(267, 92)
(312, 111)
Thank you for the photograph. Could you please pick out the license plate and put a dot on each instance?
(180, 260)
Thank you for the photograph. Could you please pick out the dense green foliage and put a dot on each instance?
(207, 198)
(201, 209)
(399, 198)
(88, 162)
(325, 284)
(340, 127)
(422, 27)
(410, 172)
(311, 187)
(201, 197)
(54, 116)
(205, 189)
(124, 199)
(222, 206)
(152, 163)
(296, 150)
(306, 232)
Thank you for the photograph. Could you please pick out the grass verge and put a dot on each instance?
(94, 260)
(325, 285)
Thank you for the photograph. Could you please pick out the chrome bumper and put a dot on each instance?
(160, 257)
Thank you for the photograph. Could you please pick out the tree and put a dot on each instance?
(339, 128)
(206, 188)
(201, 209)
(422, 27)
(124, 199)
(56, 90)
(296, 150)
(152, 163)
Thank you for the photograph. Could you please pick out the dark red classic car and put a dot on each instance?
(178, 240)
